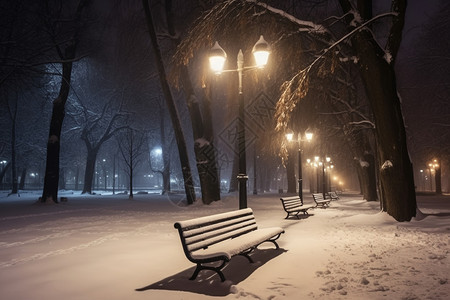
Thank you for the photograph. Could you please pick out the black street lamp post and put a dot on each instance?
(308, 137)
(217, 58)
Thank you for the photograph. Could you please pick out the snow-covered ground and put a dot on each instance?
(110, 247)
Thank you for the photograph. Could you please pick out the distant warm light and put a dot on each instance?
(316, 158)
(309, 136)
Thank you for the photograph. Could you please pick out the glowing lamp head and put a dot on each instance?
(309, 136)
(290, 136)
(217, 57)
(261, 52)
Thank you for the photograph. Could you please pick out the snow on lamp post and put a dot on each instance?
(290, 138)
(217, 58)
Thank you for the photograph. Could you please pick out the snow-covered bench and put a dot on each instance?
(333, 196)
(320, 201)
(217, 238)
(294, 206)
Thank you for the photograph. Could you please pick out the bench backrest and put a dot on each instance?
(333, 195)
(318, 196)
(205, 231)
(291, 202)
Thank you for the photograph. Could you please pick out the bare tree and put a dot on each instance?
(131, 143)
(96, 130)
(65, 44)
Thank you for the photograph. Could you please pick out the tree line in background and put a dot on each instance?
(97, 78)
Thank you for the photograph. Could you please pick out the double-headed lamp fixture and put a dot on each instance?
(217, 55)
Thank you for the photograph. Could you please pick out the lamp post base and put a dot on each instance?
(242, 180)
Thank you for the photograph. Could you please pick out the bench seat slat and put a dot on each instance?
(231, 247)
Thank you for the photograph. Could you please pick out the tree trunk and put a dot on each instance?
(14, 187)
(62, 179)
(182, 149)
(378, 74)
(205, 152)
(396, 174)
(50, 191)
(438, 180)
(371, 189)
(77, 175)
(89, 171)
(22, 179)
(290, 172)
(3, 173)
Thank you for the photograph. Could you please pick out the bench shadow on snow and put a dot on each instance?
(208, 282)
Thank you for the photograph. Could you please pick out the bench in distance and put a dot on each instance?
(294, 206)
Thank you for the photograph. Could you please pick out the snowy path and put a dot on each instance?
(107, 247)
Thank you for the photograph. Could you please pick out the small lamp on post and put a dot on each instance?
(261, 51)
(308, 137)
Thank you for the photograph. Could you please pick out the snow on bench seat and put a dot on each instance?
(220, 237)
(232, 247)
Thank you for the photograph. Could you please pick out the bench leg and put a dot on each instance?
(215, 269)
(273, 241)
(246, 254)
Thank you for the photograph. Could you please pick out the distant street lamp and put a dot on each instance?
(217, 58)
(290, 138)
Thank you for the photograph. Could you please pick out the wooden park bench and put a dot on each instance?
(217, 238)
(333, 196)
(294, 206)
(320, 200)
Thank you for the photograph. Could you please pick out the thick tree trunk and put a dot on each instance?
(438, 180)
(377, 70)
(51, 178)
(3, 173)
(89, 171)
(371, 190)
(205, 152)
(290, 172)
(182, 149)
(50, 191)
(396, 174)
(62, 179)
